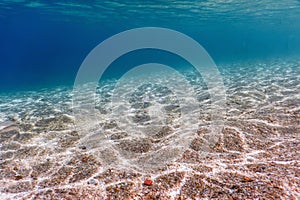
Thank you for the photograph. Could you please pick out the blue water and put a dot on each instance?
(43, 43)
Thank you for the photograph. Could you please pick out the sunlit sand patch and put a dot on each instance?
(43, 156)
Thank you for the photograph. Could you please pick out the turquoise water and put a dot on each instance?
(43, 43)
(148, 130)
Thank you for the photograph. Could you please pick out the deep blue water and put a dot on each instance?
(42, 44)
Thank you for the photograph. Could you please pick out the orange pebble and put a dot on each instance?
(148, 182)
(246, 178)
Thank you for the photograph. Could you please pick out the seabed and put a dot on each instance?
(256, 156)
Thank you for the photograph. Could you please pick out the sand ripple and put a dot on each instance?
(257, 155)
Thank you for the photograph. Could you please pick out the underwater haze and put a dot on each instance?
(43, 43)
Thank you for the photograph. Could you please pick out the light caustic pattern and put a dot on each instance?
(140, 147)
(256, 156)
(143, 127)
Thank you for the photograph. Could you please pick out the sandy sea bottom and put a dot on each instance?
(256, 156)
